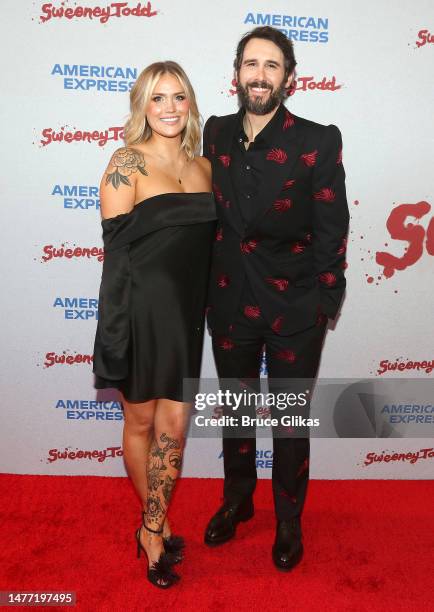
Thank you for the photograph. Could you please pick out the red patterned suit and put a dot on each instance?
(277, 274)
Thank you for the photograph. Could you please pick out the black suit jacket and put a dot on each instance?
(293, 250)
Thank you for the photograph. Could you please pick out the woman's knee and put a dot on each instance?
(140, 428)
(170, 435)
(171, 420)
(139, 418)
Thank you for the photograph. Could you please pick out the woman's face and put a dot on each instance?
(167, 112)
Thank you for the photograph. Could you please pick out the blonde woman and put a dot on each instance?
(158, 227)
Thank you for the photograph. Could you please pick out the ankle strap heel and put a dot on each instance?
(173, 544)
(156, 531)
(160, 572)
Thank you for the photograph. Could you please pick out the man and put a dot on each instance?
(277, 270)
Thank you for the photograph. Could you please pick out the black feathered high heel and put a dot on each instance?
(160, 572)
(173, 544)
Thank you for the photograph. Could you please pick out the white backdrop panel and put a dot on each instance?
(382, 102)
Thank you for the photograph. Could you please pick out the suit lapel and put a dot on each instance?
(279, 163)
(222, 182)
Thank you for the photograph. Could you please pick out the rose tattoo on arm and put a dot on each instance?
(125, 162)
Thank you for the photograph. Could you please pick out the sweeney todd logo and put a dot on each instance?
(385, 366)
(423, 38)
(403, 225)
(411, 457)
(50, 252)
(64, 136)
(97, 13)
(304, 83)
(98, 455)
(66, 358)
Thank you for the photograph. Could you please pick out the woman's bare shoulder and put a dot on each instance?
(118, 183)
(125, 165)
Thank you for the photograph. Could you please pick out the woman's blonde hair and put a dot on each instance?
(137, 129)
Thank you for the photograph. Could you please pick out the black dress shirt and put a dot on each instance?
(247, 165)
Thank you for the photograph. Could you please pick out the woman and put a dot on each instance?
(158, 224)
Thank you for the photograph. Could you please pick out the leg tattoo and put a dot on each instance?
(164, 462)
(167, 487)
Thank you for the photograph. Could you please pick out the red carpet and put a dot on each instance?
(368, 546)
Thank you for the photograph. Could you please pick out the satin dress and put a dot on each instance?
(152, 296)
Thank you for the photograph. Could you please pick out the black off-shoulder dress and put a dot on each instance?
(152, 296)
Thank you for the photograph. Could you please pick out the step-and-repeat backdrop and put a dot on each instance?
(67, 68)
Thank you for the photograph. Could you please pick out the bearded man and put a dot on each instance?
(278, 267)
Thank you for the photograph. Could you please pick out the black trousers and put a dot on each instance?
(238, 356)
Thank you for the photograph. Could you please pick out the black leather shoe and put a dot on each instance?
(222, 526)
(288, 548)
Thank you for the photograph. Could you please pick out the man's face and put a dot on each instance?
(261, 78)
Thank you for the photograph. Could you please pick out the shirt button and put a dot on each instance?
(247, 196)
(247, 167)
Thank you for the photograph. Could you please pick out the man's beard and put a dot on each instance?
(256, 106)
